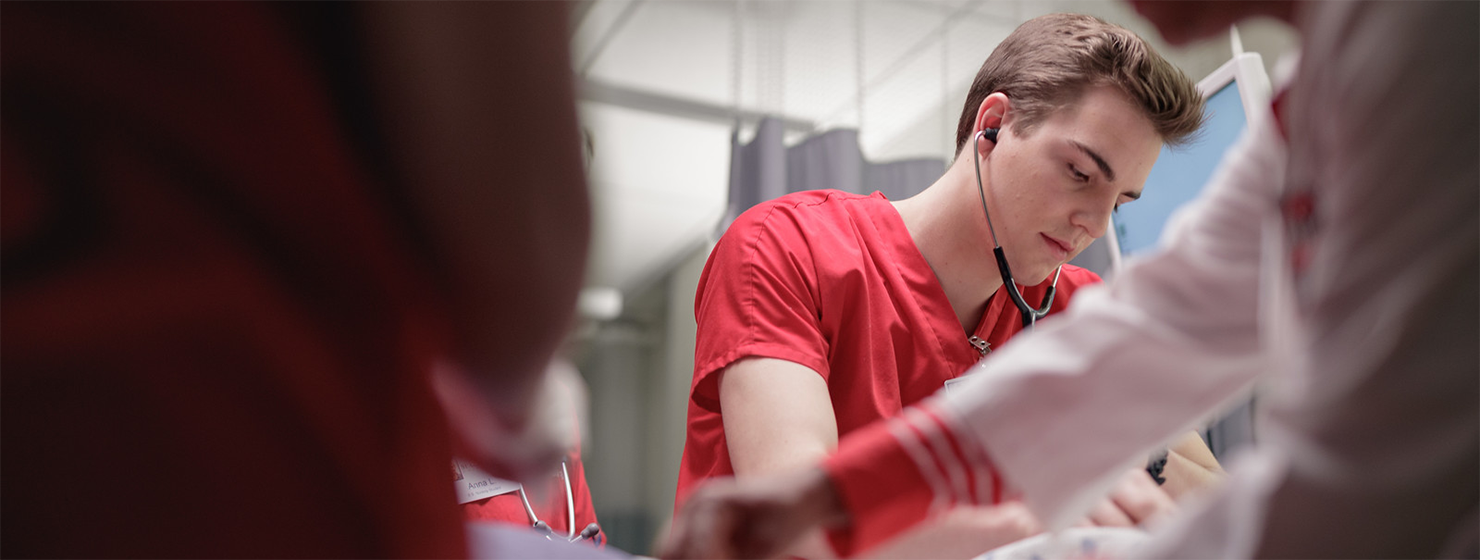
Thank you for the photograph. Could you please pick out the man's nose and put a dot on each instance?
(1093, 217)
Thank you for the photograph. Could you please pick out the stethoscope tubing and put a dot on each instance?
(570, 506)
(1030, 315)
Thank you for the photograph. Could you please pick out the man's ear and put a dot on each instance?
(992, 112)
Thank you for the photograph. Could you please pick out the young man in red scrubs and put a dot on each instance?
(821, 312)
(1322, 257)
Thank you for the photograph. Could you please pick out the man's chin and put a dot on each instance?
(1038, 277)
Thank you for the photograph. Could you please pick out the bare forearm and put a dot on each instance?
(778, 419)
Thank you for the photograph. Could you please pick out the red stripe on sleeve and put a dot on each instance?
(958, 452)
(942, 473)
(971, 451)
(879, 486)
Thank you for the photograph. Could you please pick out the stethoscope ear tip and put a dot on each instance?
(589, 532)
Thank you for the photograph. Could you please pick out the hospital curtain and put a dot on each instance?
(765, 168)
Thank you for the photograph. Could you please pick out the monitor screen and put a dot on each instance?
(1180, 173)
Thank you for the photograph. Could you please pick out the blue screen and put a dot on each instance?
(1180, 173)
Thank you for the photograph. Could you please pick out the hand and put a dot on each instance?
(961, 532)
(1134, 500)
(753, 518)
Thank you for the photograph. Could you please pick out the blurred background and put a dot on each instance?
(664, 88)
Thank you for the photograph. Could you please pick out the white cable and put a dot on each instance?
(533, 519)
(570, 505)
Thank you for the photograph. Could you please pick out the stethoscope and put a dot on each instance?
(590, 532)
(1030, 315)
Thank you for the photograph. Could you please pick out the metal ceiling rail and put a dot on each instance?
(591, 89)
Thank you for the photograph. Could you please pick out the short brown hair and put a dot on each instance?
(1046, 63)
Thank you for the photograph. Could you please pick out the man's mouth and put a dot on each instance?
(1059, 248)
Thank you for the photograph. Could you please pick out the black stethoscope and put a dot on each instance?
(1030, 315)
(591, 531)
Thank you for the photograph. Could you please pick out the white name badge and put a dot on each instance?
(474, 484)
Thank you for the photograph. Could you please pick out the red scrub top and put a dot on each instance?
(832, 281)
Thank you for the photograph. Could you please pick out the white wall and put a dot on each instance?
(658, 187)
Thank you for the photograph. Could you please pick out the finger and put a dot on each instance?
(1015, 517)
(756, 535)
(767, 528)
(720, 541)
(1141, 498)
(1107, 514)
(698, 529)
(676, 544)
(680, 543)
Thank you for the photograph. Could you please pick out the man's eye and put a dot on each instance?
(1078, 176)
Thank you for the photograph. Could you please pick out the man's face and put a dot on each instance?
(1051, 192)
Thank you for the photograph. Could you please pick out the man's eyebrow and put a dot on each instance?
(1104, 167)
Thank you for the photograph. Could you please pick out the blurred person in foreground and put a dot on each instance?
(1335, 250)
(240, 240)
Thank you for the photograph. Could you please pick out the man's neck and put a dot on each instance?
(948, 227)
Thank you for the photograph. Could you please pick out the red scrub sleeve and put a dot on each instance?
(893, 474)
(758, 297)
(879, 486)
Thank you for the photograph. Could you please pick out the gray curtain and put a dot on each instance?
(766, 168)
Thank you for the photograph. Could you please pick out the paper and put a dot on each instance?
(474, 484)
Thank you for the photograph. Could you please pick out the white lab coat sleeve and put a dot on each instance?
(1375, 451)
(1062, 410)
